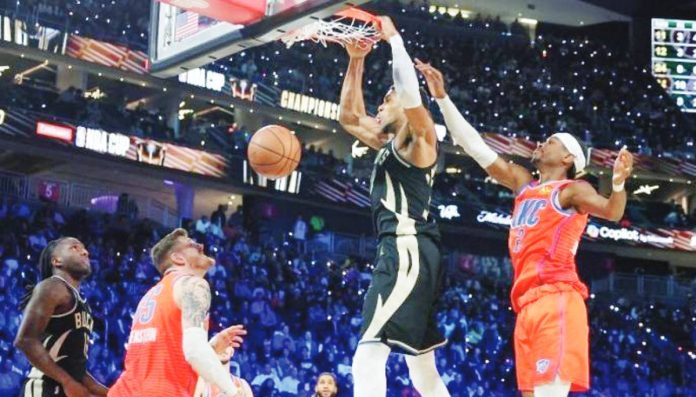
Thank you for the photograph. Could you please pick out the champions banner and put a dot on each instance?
(106, 54)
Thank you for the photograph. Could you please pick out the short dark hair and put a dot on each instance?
(571, 173)
(160, 252)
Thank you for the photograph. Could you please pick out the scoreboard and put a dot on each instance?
(674, 59)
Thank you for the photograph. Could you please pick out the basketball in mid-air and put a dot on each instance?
(274, 152)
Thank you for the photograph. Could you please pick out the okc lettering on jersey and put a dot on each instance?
(528, 213)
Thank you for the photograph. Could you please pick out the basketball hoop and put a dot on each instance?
(350, 26)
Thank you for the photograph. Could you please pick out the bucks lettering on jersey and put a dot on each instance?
(67, 338)
(400, 195)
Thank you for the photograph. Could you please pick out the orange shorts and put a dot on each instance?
(552, 338)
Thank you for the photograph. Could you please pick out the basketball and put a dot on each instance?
(274, 152)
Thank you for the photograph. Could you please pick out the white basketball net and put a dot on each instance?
(342, 31)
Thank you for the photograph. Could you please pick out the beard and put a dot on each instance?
(78, 270)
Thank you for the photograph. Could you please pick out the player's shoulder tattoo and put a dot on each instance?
(194, 300)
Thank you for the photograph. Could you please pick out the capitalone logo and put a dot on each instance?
(593, 231)
(187, 4)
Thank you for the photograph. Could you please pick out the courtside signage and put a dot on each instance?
(626, 234)
(309, 105)
(450, 211)
(54, 131)
(494, 218)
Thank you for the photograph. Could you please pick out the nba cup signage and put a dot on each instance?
(243, 89)
(309, 105)
(204, 78)
(102, 141)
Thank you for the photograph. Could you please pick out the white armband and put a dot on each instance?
(202, 358)
(405, 78)
(465, 135)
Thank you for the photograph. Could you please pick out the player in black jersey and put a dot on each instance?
(400, 305)
(57, 324)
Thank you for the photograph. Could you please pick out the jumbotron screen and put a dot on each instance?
(674, 59)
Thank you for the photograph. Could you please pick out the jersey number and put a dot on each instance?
(146, 309)
(519, 236)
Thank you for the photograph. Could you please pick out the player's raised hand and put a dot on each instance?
(227, 340)
(434, 78)
(623, 166)
(358, 48)
(387, 27)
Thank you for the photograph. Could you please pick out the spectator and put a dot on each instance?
(219, 217)
(202, 226)
(299, 233)
(288, 386)
(326, 385)
(267, 375)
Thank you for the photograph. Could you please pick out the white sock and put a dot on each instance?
(369, 370)
(558, 388)
(425, 377)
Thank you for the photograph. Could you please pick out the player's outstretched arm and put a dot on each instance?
(94, 386)
(585, 199)
(354, 118)
(192, 295)
(46, 297)
(406, 84)
(465, 135)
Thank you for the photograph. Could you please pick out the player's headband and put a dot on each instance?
(573, 146)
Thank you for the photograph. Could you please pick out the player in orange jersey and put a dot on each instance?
(550, 215)
(168, 345)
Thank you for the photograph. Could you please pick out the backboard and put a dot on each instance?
(186, 34)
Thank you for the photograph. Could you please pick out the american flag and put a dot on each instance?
(186, 25)
(343, 192)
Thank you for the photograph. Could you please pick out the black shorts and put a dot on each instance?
(401, 303)
(41, 388)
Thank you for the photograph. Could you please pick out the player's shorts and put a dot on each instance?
(401, 303)
(41, 388)
(552, 338)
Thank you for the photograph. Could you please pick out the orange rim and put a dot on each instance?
(356, 13)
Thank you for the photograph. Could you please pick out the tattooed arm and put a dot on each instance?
(192, 295)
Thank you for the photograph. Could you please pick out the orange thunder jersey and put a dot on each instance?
(543, 240)
(155, 364)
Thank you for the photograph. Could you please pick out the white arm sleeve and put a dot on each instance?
(202, 358)
(464, 135)
(405, 78)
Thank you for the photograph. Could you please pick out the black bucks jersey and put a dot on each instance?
(400, 195)
(67, 340)
(401, 303)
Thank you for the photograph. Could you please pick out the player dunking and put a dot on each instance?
(400, 305)
(168, 345)
(551, 333)
(57, 324)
